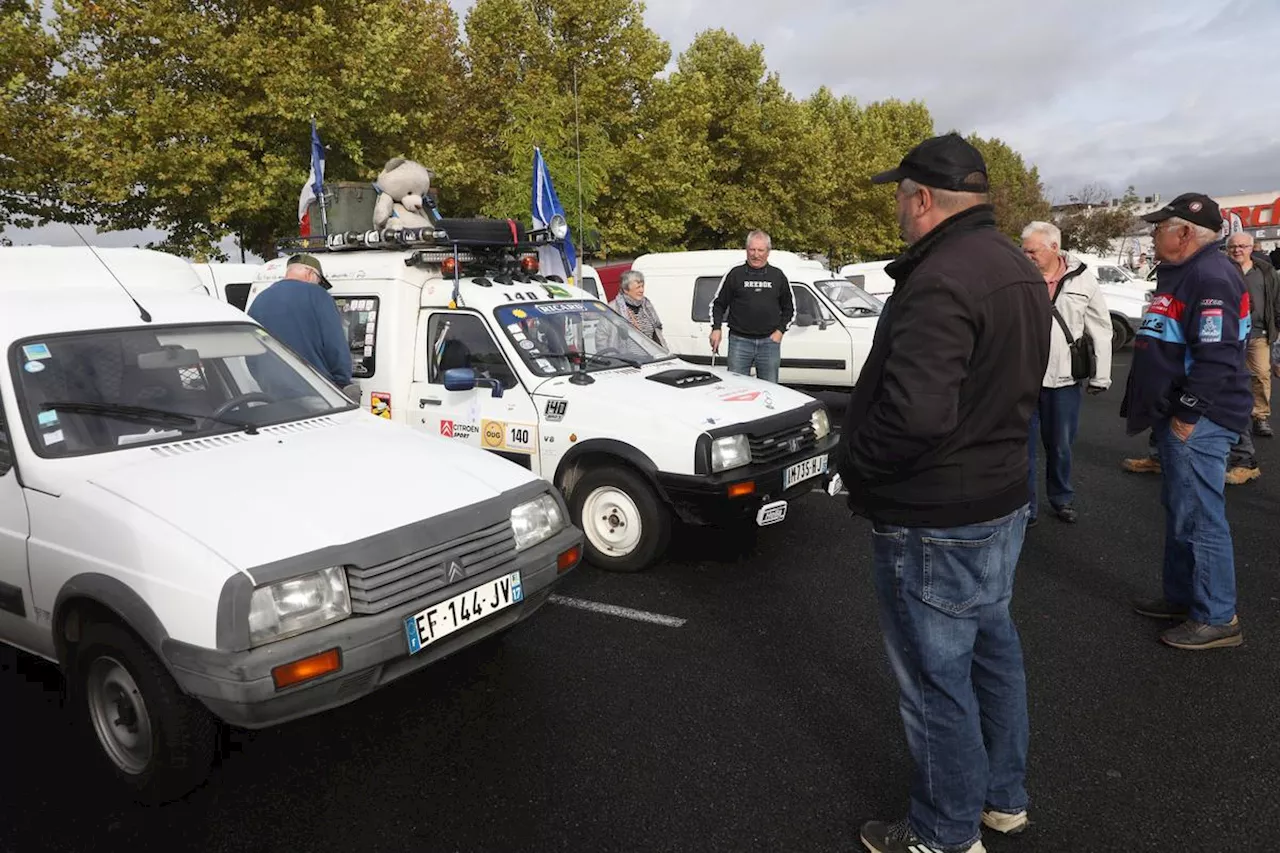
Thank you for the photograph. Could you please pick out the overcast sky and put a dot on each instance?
(1167, 95)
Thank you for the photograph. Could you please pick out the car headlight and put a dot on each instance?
(535, 521)
(290, 607)
(821, 423)
(731, 451)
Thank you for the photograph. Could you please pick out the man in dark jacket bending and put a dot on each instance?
(934, 451)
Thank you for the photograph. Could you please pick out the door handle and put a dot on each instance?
(423, 402)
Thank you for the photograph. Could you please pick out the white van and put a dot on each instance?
(829, 338)
(871, 277)
(228, 283)
(590, 282)
(196, 526)
(554, 381)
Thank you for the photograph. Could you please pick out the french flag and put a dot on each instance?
(315, 182)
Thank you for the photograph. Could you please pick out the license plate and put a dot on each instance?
(771, 513)
(442, 619)
(802, 471)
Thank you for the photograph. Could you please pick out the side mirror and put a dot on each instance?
(459, 379)
(805, 320)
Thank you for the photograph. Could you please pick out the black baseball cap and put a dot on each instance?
(1193, 207)
(942, 162)
(313, 262)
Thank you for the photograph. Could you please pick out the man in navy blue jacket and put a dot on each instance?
(1189, 385)
(298, 312)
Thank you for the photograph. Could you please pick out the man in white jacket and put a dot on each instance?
(1079, 310)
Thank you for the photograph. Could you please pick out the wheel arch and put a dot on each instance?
(92, 594)
(605, 451)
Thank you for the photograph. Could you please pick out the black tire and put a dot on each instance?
(1121, 334)
(177, 737)
(653, 517)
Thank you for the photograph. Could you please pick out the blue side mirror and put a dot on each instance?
(459, 379)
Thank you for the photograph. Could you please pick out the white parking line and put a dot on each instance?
(615, 610)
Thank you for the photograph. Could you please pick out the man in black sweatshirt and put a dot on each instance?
(757, 299)
(934, 451)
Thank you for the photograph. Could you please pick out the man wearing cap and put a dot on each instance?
(934, 451)
(298, 311)
(1189, 385)
(1264, 307)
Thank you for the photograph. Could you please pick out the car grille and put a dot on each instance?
(772, 446)
(379, 588)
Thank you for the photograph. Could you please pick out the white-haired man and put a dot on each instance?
(1264, 309)
(1189, 384)
(1079, 311)
(755, 300)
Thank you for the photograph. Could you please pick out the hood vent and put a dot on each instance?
(684, 378)
(213, 442)
(296, 427)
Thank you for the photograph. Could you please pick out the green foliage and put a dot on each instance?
(1016, 191)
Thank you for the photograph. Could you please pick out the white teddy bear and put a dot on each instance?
(402, 195)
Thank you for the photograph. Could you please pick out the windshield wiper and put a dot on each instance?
(140, 414)
(598, 359)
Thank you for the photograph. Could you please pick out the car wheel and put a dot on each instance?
(159, 742)
(1121, 334)
(625, 523)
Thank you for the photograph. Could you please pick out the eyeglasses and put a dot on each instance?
(1239, 247)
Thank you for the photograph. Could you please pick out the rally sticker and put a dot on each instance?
(500, 435)
(556, 410)
(557, 308)
(34, 352)
(1211, 326)
(457, 429)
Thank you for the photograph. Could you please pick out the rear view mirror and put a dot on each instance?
(169, 358)
(459, 379)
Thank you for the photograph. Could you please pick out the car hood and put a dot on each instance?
(631, 392)
(303, 486)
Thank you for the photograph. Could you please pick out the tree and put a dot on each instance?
(1016, 190)
(1091, 222)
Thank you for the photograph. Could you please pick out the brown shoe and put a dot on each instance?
(1194, 636)
(1144, 465)
(1240, 475)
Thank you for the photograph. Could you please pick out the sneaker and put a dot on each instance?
(1033, 521)
(1009, 823)
(1066, 513)
(1240, 475)
(1262, 427)
(1194, 636)
(898, 837)
(1145, 465)
(1158, 608)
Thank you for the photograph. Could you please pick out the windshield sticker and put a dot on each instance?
(513, 328)
(518, 438)
(48, 418)
(457, 429)
(599, 307)
(544, 365)
(34, 352)
(526, 344)
(553, 308)
(556, 410)
(516, 312)
(33, 367)
(53, 437)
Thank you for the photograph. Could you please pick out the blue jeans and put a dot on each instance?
(1057, 419)
(1199, 564)
(764, 353)
(944, 608)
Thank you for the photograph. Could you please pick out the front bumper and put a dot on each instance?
(705, 500)
(238, 687)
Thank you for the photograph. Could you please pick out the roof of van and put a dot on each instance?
(724, 259)
(227, 273)
(59, 266)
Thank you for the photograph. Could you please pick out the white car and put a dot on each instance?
(830, 335)
(871, 277)
(197, 526)
(228, 283)
(479, 349)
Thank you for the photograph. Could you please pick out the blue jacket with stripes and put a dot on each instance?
(1189, 354)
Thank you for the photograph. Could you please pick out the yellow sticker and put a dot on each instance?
(515, 438)
(518, 313)
(493, 433)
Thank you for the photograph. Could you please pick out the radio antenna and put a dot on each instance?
(142, 312)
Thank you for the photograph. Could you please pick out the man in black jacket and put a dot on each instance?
(756, 296)
(934, 451)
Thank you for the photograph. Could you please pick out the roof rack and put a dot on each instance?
(427, 237)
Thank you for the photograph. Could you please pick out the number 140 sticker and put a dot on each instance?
(499, 435)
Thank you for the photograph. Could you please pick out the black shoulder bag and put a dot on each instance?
(1084, 358)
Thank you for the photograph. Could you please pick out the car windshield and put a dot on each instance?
(852, 300)
(92, 392)
(556, 338)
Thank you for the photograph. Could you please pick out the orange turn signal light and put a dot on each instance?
(529, 264)
(289, 674)
(448, 267)
(568, 559)
(738, 490)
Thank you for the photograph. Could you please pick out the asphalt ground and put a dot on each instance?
(767, 721)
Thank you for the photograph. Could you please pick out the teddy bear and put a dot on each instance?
(402, 195)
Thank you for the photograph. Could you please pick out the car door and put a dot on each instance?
(18, 615)
(506, 425)
(816, 347)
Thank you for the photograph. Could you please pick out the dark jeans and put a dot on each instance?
(944, 609)
(1057, 420)
(764, 353)
(1199, 563)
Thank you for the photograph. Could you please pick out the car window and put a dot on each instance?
(806, 303)
(704, 291)
(590, 285)
(360, 322)
(1111, 275)
(238, 294)
(461, 340)
(850, 298)
(557, 338)
(6, 448)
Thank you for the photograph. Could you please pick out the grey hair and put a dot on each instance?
(629, 278)
(1245, 234)
(1203, 236)
(760, 235)
(1051, 233)
(951, 201)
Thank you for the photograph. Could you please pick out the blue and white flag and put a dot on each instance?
(314, 187)
(546, 204)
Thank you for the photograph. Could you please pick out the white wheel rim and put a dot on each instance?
(119, 715)
(611, 521)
